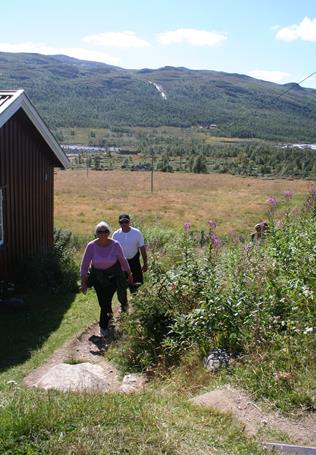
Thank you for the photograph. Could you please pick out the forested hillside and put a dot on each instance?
(75, 93)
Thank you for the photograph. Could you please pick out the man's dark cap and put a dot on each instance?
(124, 217)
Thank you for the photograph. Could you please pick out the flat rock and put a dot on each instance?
(78, 377)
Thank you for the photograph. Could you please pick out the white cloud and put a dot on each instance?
(306, 31)
(271, 76)
(123, 40)
(191, 36)
(76, 52)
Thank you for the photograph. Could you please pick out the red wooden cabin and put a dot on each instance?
(28, 154)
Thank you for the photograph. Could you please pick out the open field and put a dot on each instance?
(235, 203)
(162, 420)
(133, 135)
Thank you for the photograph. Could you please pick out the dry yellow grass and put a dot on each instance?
(235, 203)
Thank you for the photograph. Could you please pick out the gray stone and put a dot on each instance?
(133, 382)
(216, 359)
(79, 377)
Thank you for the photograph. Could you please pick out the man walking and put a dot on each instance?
(132, 242)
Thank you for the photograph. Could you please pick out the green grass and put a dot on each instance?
(283, 380)
(38, 422)
(159, 421)
(30, 335)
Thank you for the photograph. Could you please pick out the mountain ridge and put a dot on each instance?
(78, 93)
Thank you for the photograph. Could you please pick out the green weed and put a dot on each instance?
(251, 300)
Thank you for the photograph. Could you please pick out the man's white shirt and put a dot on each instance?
(130, 241)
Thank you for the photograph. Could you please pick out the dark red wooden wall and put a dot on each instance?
(27, 181)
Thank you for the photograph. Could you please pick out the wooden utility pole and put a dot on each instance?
(152, 171)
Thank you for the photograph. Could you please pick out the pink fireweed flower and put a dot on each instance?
(271, 201)
(287, 194)
(313, 190)
(187, 226)
(215, 241)
(211, 224)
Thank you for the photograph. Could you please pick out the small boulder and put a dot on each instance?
(216, 359)
(133, 382)
(77, 378)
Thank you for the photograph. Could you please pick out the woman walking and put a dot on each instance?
(107, 265)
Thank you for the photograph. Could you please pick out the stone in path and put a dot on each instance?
(82, 377)
(85, 349)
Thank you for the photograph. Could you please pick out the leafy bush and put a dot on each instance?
(56, 271)
(256, 300)
(154, 308)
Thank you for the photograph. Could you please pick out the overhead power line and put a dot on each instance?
(286, 91)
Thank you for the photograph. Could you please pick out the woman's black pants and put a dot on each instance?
(105, 296)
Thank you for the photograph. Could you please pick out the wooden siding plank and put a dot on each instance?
(26, 172)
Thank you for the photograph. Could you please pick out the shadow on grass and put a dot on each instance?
(26, 329)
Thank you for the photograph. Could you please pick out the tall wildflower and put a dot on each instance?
(215, 241)
(287, 195)
(272, 202)
(187, 244)
(212, 224)
(272, 205)
(311, 199)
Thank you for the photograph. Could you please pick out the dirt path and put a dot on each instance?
(256, 420)
(87, 347)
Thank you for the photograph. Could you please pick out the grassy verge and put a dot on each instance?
(160, 421)
(29, 336)
(37, 422)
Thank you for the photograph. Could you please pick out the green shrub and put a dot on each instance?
(56, 271)
(245, 298)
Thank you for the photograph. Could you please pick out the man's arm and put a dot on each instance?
(144, 256)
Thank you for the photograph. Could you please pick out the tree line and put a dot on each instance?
(252, 159)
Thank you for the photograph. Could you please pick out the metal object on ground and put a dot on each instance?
(290, 448)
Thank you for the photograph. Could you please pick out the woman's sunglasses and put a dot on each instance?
(105, 231)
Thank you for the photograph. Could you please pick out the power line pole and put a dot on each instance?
(152, 171)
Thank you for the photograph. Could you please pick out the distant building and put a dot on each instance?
(208, 126)
(28, 154)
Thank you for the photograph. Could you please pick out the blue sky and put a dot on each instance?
(273, 40)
